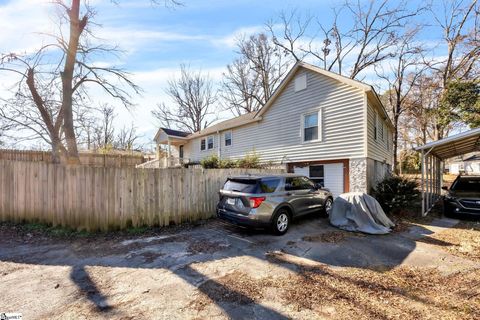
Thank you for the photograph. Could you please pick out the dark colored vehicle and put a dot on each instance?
(271, 201)
(463, 197)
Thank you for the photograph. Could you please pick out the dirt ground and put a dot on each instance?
(427, 269)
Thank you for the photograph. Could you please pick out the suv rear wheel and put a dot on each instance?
(281, 222)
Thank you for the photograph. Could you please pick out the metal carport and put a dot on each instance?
(433, 155)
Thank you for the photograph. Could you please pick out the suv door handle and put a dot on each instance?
(288, 194)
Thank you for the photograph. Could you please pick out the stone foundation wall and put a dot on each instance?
(358, 175)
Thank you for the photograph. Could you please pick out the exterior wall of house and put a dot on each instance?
(379, 148)
(192, 148)
(469, 167)
(278, 136)
(347, 139)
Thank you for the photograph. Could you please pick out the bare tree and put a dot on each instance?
(252, 77)
(422, 102)
(105, 131)
(460, 23)
(294, 28)
(401, 75)
(47, 93)
(373, 33)
(193, 99)
(127, 139)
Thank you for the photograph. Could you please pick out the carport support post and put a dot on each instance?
(422, 168)
(432, 177)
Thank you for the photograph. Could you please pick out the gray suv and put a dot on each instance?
(271, 201)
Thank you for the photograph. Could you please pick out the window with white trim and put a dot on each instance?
(203, 144)
(375, 126)
(311, 126)
(317, 174)
(228, 138)
(210, 142)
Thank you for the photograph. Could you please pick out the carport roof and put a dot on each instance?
(455, 145)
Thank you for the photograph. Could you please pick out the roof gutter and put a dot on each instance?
(207, 133)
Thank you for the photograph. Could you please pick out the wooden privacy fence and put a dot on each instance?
(92, 198)
(86, 158)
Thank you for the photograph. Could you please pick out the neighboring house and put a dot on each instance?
(467, 164)
(325, 126)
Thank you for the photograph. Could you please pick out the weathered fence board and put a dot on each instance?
(103, 198)
(86, 158)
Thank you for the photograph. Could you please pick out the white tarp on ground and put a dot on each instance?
(357, 211)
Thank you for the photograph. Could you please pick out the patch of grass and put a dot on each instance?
(42, 229)
(137, 230)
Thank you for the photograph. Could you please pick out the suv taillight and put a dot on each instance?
(255, 202)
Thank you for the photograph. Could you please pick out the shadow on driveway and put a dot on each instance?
(174, 253)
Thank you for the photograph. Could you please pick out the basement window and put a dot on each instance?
(316, 173)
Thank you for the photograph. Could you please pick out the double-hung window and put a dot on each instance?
(203, 144)
(228, 138)
(311, 126)
(210, 142)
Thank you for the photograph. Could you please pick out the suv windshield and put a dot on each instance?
(252, 185)
(467, 184)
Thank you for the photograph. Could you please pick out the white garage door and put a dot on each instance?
(332, 176)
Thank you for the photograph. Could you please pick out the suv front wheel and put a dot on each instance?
(281, 222)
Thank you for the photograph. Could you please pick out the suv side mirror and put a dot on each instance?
(444, 188)
(318, 186)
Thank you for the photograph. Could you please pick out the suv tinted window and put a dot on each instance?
(467, 184)
(298, 183)
(241, 185)
(268, 186)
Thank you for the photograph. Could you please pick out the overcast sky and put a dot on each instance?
(156, 40)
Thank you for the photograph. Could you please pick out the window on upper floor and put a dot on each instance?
(382, 133)
(228, 138)
(311, 126)
(210, 142)
(203, 144)
(375, 125)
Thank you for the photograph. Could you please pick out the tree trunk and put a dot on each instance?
(76, 29)
(395, 143)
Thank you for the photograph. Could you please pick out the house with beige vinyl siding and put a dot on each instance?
(325, 126)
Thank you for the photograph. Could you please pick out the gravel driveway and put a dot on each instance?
(219, 271)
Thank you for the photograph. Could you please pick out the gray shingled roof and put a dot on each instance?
(176, 133)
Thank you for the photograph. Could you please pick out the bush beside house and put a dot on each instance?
(394, 193)
(250, 161)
